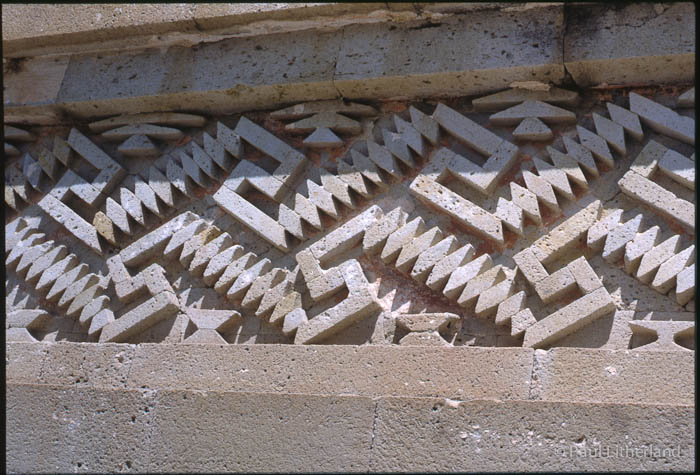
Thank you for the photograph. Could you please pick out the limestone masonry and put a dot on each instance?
(346, 248)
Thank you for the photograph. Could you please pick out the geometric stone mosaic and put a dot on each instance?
(523, 218)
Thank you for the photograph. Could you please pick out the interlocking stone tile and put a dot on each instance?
(663, 119)
(340, 218)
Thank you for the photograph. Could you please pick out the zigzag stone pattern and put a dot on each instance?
(520, 220)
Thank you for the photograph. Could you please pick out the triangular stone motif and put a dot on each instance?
(538, 109)
(532, 128)
(515, 96)
(323, 137)
(138, 146)
(330, 120)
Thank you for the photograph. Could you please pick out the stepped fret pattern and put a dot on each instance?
(500, 221)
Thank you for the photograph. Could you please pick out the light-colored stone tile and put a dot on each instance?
(612, 132)
(628, 120)
(665, 278)
(618, 237)
(140, 318)
(569, 319)
(678, 168)
(655, 257)
(662, 119)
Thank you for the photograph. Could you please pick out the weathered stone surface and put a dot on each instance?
(474, 217)
(144, 316)
(231, 269)
(248, 214)
(328, 120)
(425, 322)
(655, 257)
(325, 369)
(663, 119)
(533, 108)
(521, 321)
(138, 146)
(618, 237)
(568, 319)
(515, 96)
(352, 109)
(612, 133)
(542, 190)
(443, 270)
(598, 233)
(628, 120)
(464, 274)
(149, 130)
(293, 320)
(532, 128)
(359, 303)
(347, 296)
(619, 376)
(556, 285)
(678, 168)
(665, 277)
(557, 241)
(658, 198)
(639, 246)
(581, 154)
(80, 228)
(685, 285)
(164, 118)
(323, 137)
(666, 332)
(509, 307)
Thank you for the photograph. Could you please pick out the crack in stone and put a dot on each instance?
(374, 432)
(335, 63)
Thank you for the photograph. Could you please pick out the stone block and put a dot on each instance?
(539, 435)
(569, 319)
(621, 54)
(87, 365)
(252, 217)
(662, 119)
(68, 442)
(65, 216)
(141, 318)
(556, 285)
(23, 362)
(500, 373)
(618, 376)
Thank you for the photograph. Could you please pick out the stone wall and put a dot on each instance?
(360, 232)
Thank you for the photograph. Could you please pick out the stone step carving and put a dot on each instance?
(654, 263)
(595, 302)
(225, 164)
(54, 273)
(440, 263)
(662, 119)
(638, 182)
